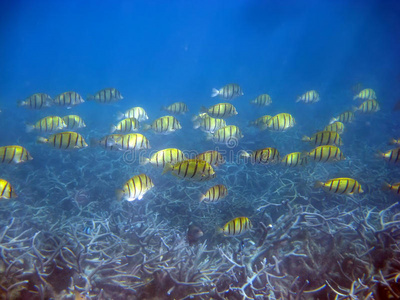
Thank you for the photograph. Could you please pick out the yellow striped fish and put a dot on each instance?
(135, 112)
(214, 158)
(6, 190)
(47, 124)
(343, 186)
(209, 124)
(237, 226)
(217, 192)
(395, 187)
(294, 159)
(108, 142)
(220, 110)
(309, 97)
(74, 122)
(132, 141)
(335, 127)
(365, 94)
(36, 101)
(135, 188)
(64, 140)
(126, 125)
(229, 135)
(325, 153)
(324, 138)
(262, 100)
(192, 169)
(163, 157)
(281, 122)
(228, 92)
(392, 156)
(14, 154)
(106, 96)
(176, 108)
(164, 125)
(68, 99)
(346, 117)
(263, 156)
(261, 122)
(394, 142)
(368, 107)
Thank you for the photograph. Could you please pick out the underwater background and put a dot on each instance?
(66, 235)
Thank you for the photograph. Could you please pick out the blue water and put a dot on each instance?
(160, 52)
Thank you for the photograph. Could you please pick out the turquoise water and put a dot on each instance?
(66, 232)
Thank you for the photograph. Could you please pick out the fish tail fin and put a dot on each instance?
(195, 118)
(41, 140)
(196, 125)
(119, 194)
(29, 128)
(163, 108)
(333, 120)
(355, 97)
(355, 108)
(144, 160)
(146, 127)
(168, 167)
(386, 186)
(392, 142)
(113, 128)
(203, 109)
(21, 103)
(379, 154)
(120, 115)
(244, 154)
(214, 92)
(202, 197)
(298, 99)
(318, 184)
(89, 97)
(305, 139)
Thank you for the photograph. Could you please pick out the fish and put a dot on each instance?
(294, 159)
(262, 100)
(229, 135)
(64, 140)
(176, 108)
(107, 142)
(309, 97)
(365, 94)
(135, 188)
(213, 157)
(324, 138)
(135, 112)
(392, 156)
(261, 122)
(236, 227)
(132, 141)
(220, 110)
(280, 122)
(394, 142)
(6, 190)
(263, 156)
(335, 127)
(209, 124)
(342, 186)
(345, 117)
(162, 157)
(164, 125)
(368, 106)
(325, 153)
(14, 154)
(395, 187)
(36, 101)
(107, 95)
(194, 233)
(214, 194)
(191, 169)
(228, 92)
(68, 99)
(74, 122)
(126, 125)
(47, 124)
